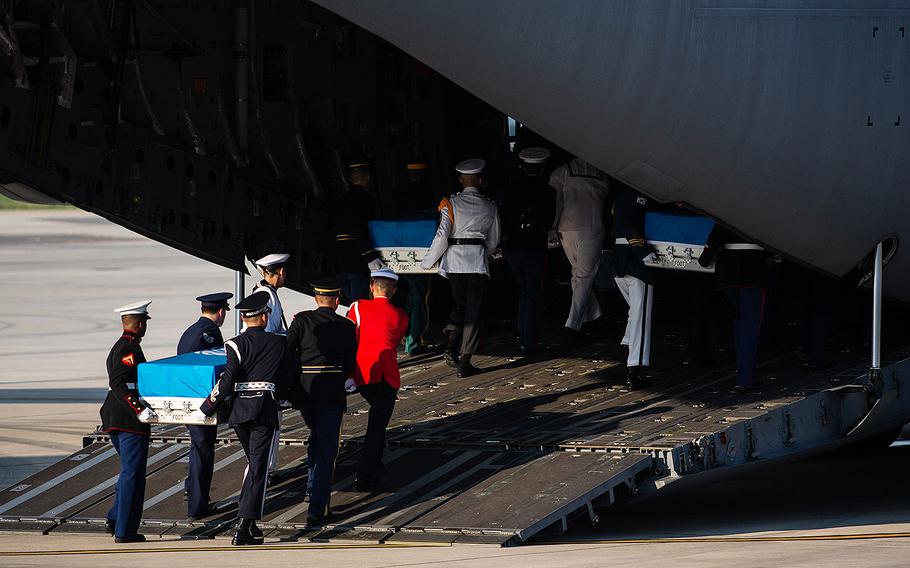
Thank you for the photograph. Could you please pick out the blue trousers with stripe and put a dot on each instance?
(127, 510)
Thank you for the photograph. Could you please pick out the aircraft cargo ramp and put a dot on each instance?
(524, 448)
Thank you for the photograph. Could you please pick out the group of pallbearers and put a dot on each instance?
(312, 365)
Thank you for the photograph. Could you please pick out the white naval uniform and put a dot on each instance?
(276, 325)
(640, 297)
(581, 191)
(465, 215)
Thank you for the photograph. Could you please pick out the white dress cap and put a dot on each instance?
(535, 155)
(272, 260)
(472, 166)
(384, 273)
(139, 308)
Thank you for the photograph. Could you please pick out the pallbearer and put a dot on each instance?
(324, 344)
(202, 335)
(122, 416)
(466, 238)
(257, 375)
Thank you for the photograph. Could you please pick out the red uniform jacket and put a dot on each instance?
(380, 327)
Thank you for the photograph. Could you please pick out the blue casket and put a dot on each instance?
(402, 243)
(175, 387)
(678, 239)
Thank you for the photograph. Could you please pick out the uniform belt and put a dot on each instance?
(255, 386)
(317, 369)
(130, 386)
(742, 246)
(467, 241)
(622, 241)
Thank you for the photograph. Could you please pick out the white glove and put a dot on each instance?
(376, 264)
(148, 415)
(284, 404)
(197, 415)
(350, 385)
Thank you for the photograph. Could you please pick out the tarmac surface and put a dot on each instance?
(63, 273)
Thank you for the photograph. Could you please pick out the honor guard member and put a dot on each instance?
(324, 344)
(633, 279)
(273, 271)
(740, 274)
(416, 200)
(581, 191)
(124, 417)
(527, 217)
(202, 335)
(467, 236)
(380, 327)
(258, 373)
(355, 256)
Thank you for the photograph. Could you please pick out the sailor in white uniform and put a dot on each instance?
(581, 191)
(272, 269)
(467, 236)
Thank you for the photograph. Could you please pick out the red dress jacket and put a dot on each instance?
(380, 327)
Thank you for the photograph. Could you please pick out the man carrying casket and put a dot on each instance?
(122, 417)
(324, 344)
(258, 373)
(204, 334)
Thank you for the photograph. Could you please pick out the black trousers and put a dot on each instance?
(257, 445)
(324, 422)
(381, 398)
(468, 292)
(202, 465)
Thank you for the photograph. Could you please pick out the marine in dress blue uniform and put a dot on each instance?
(122, 416)
(257, 375)
(324, 344)
(202, 335)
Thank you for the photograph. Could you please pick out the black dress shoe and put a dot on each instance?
(208, 512)
(465, 368)
(450, 358)
(129, 538)
(365, 484)
(247, 533)
(110, 526)
(634, 378)
(315, 520)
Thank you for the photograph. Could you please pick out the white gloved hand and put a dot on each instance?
(284, 404)
(197, 416)
(148, 415)
(350, 385)
(376, 264)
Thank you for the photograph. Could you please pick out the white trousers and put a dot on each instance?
(639, 296)
(582, 248)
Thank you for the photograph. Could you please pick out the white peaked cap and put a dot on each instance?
(384, 273)
(472, 166)
(138, 308)
(272, 260)
(535, 155)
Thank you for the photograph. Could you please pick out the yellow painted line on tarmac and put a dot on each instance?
(729, 539)
(267, 547)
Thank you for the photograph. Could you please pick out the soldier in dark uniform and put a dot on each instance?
(633, 279)
(123, 417)
(527, 214)
(256, 377)
(741, 275)
(325, 346)
(354, 252)
(204, 334)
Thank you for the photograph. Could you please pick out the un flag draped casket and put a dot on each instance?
(402, 243)
(678, 240)
(176, 386)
